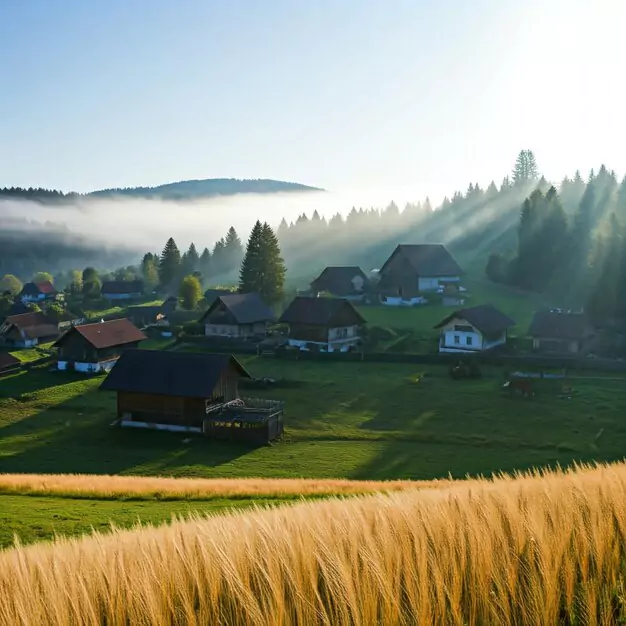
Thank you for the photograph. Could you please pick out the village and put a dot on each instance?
(193, 378)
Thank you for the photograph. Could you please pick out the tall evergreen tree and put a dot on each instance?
(250, 274)
(233, 250)
(170, 265)
(525, 169)
(218, 259)
(205, 264)
(190, 261)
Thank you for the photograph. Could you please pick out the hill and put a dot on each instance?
(534, 549)
(207, 188)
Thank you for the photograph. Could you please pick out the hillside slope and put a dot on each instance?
(546, 549)
(188, 189)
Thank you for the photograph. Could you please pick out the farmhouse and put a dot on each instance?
(193, 392)
(237, 315)
(474, 329)
(343, 282)
(37, 292)
(8, 363)
(327, 324)
(555, 331)
(122, 289)
(28, 329)
(95, 347)
(414, 270)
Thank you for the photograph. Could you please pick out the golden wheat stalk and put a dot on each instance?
(540, 549)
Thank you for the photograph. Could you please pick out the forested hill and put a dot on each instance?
(209, 187)
(182, 190)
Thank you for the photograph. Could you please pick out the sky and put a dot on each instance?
(387, 96)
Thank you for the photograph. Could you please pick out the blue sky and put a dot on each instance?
(385, 95)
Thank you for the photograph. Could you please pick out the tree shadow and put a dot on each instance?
(30, 381)
(76, 436)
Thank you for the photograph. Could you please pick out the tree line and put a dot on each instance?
(578, 257)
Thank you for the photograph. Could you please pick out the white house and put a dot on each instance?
(413, 271)
(475, 329)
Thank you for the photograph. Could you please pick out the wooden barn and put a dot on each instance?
(8, 363)
(555, 331)
(190, 392)
(329, 324)
(349, 282)
(417, 269)
(94, 348)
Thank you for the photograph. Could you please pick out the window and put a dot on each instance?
(457, 339)
(469, 340)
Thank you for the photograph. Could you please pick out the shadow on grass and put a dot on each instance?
(75, 436)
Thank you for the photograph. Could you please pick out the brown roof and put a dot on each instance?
(8, 360)
(427, 259)
(29, 320)
(485, 317)
(558, 324)
(107, 334)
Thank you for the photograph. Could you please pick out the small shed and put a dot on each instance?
(190, 392)
(349, 282)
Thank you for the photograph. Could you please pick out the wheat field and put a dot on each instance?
(153, 487)
(539, 549)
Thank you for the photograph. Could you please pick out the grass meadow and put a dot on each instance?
(542, 549)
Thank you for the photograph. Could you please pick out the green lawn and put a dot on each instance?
(421, 320)
(27, 355)
(35, 519)
(354, 420)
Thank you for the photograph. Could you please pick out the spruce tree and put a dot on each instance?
(273, 267)
(218, 257)
(205, 264)
(190, 261)
(170, 265)
(233, 250)
(250, 279)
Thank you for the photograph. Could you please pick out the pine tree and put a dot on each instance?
(525, 169)
(273, 267)
(218, 257)
(190, 261)
(190, 292)
(205, 264)
(150, 270)
(263, 269)
(170, 265)
(233, 250)
(251, 269)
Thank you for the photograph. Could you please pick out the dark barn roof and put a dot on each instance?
(321, 312)
(211, 295)
(338, 280)
(8, 361)
(106, 334)
(183, 374)
(246, 308)
(427, 259)
(485, 317)
(556, 324)
(122, 286)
